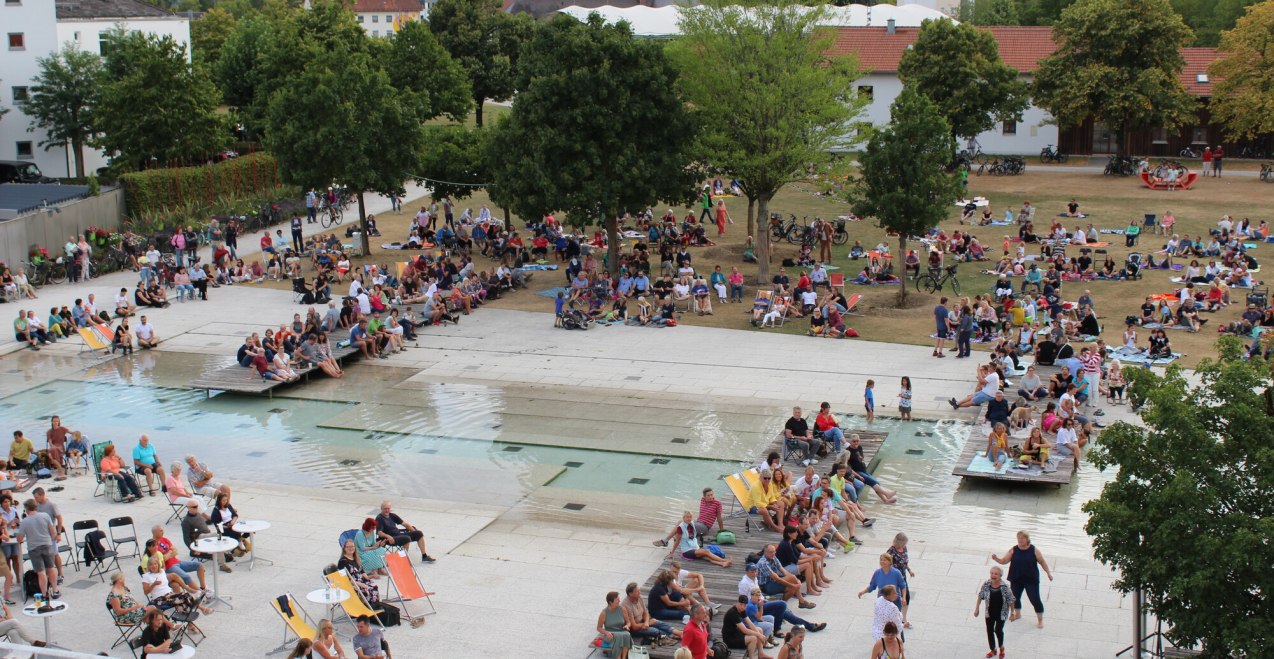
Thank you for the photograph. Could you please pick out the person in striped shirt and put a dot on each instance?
(709, 514)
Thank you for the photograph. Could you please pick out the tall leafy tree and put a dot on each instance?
(958, 67)
(485, 40)
(454, 161)
(418, 64)
(903, 182)
(772, 100)
(208, 33)
(991, 12)
(240, 70)
(1188, 519)
(1040, 12)
(1210, 18)
(357, 129)
(154, 106)
(62, 100)
(1243, 95)
(557, 151)
(1118, 61)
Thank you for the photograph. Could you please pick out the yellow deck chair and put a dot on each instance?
(91, 340)
(741, 495)
(299, 623)
(354, 606)
(753, 478)
(406, 583)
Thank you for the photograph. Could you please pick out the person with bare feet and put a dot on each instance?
(858, 463)
(1024, 562)
(688, 547)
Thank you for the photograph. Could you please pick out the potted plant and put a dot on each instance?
(38, 254)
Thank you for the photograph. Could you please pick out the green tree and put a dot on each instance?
(1188, 519)
(902, 179)
(454, 161)
(1209, 18)
(241, 68)
(418, 64)
(1041, 12)
(153, 105)
(773, 103)
(357, 129)
(991, 12)
(556, 151)
(1118, 61)
(62, 100)
(958, 67)
(485, 40)
(208, 33)
(1243, 98)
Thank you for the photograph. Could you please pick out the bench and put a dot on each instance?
(240, 380)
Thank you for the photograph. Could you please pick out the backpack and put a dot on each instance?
(94, 549)
(30, 584)
(390, 617)
(720, 650)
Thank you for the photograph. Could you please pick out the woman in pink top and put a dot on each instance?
(184, 288)
(736, 284)
(1166, 224)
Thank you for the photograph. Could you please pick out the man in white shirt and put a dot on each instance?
(484, 214)
(355, 287)
(748, 582)
(145, 333)
(818, 276)
(124, 306)
(990, 384)
(364, 303)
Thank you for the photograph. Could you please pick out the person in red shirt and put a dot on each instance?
(826, 423)
(695, 636)
(267, 244)
(187, 570)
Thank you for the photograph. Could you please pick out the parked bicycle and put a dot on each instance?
(46, 272)
(801, 233)
(1050, 154)
(1188, 153)
(932, 281)
(1120, 166)
(779, 228)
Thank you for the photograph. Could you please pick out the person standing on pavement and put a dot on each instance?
(940, 315)
(40, 536)
(999, 602)
(311, 206)
(49, 508)
(298, 238)
(1024, 562)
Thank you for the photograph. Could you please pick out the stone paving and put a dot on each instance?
(515, 581)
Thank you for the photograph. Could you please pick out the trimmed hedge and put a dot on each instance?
(156, 190)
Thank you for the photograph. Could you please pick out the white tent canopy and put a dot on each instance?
(662, 21)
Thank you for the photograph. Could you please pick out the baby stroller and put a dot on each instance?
(1133, 265)
(575, 319)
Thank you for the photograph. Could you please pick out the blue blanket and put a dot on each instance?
(981, 465)
(538, 266)
(552, 292)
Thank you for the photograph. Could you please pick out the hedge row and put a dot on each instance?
(156, 190)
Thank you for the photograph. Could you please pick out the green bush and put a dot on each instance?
(156, 191)
(94, 188)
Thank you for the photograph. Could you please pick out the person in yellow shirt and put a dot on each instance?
(22, 453)
(769, 501)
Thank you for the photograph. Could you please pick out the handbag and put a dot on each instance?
(639, 652)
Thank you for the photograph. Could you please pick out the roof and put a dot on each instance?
(110, 9)
(663, 21)
(1197, 62)
(21, 198)
(392, 6)
(879, 51)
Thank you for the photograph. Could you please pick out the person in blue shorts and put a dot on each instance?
(940, 314)
(869, 401)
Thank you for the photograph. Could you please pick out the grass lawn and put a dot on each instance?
(1110, 203)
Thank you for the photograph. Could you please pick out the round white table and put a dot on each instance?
(186, 652)
(216, 547)
(60, 607)
(331, 597)
(253, 527)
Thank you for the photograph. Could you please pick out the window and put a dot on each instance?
(1010, 128)
(867, 91)
(25, 150)
(1159, 136)
(1199, 135)
(20, 94)
(375, 33)
(389, 18)
(17, 41)
(375, 18)
(359, 18)
(103, 44)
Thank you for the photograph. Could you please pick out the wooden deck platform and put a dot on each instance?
(977, 444)
(240, 380)
(722, 583)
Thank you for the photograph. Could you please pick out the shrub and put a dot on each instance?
(155, 191)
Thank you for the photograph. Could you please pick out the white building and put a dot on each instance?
(661, 20)
(382, 18)
(40, 28)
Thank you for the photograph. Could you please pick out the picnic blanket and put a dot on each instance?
(874, 283)
(981, 465)
(1128, 357)
(1182, 280)
(977, 201)
(1165, 327)
(540, 266)
(996, 223)
(1080, 216)
(552, 292)
(1119, 232)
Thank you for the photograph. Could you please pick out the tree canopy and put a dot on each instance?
(454, 161)
(958, 67)
(1243, 95)
(1117, 61)
(485, 41)
(902, 181)
(208, 33)
(153, 105)
(773, 103)
(1188, 518)
(419, 65)
(62, 100)
(557, 149)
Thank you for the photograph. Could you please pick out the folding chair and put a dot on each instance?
(404, 581)
(109, 558)
(851, 303)
(295, 621)
(131, 537)
(354, 606)
(742, 498)
(126, 631)
(187, 620)
(837, 280)
(176, 508)
(106, 332)
(106, 485)
(91, 342)
(753, 478)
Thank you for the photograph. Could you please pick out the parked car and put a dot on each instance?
(18, 171)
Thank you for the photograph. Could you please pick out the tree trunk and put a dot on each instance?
(362, 226)
(508, 218)
(763, 241)
(477, 111)
(77, 149)
(751, 217)
(612, 242)
(902, 258)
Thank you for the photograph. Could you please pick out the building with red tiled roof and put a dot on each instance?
(382, 18)
(879, 49)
